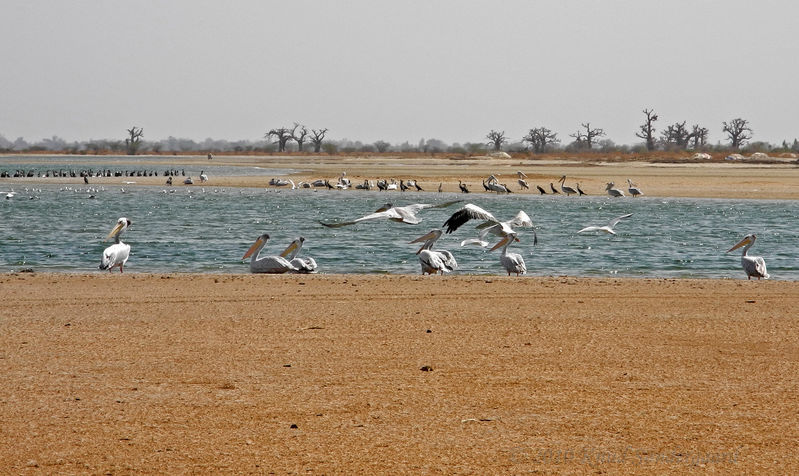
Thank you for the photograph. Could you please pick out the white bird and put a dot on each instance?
(203, 176)
(406, 214)
(10, 195)
(633, 189)
(565, 188)
(188, 181)
(613, 192)
(753, 265)
(490, 224)
(606, 228)
(303, 265)
(434, 261)
(493, 186)
(512, 262)
(267, 264)
(118, 253)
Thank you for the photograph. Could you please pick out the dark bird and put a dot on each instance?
(554, 190)
(541, 190)
(579, 190)
(463, 187)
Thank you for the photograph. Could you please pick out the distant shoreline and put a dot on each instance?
(687, 178)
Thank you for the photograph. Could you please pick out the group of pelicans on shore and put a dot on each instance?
(491, 184)
(431, 260)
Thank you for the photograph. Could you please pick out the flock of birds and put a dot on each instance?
(432, 260)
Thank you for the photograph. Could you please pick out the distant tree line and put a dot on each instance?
(677, 136)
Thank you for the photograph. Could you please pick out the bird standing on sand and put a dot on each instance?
(118, 253)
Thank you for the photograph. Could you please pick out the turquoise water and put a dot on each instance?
(207, 230)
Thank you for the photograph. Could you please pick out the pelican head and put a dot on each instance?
(293, 246)
(122, 224)
(428, 238)
(510, 237)
(259, 242)
(748, 240)
(609, 185)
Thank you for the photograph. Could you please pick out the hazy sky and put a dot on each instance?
(395, 70)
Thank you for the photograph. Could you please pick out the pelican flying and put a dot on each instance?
(434, 261)
(753, 265)
(118, 253)
(607, 228)
(490, 223)
(406, 214)
(268, 264)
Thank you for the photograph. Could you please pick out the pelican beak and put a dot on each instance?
(501, 243)
(424, 238)
(741, 243)
(289, 249)
(114, 232)
(254, 247)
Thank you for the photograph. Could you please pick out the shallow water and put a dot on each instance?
(207, 230)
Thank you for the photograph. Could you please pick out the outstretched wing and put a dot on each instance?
(468, 212)
(613, 222)
(390, 213)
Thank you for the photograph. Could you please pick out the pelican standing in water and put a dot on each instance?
(118, 253)
(434, 261)
(606, 228)
(753, 265)
(512, 262)
(267, 264)
(303, 265)
(406, 214)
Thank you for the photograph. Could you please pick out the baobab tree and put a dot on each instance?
(317, 136)
(676, 135)
(539, 138)
(648, 129)
(132, 143)
(738, 131)
(698, 136)
(587, 139)
(382, 146)
(282, 135)
(298, 134)
(496, 139)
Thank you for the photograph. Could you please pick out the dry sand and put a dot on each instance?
(206, 374)
(116, 374)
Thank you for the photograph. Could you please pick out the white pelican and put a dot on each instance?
(267, 264)
(303, 265)
(493, 186)
(565, 188)
(753, 265)
(613, 192)
(203, 176)
(607, 228)
(118, 253)
(433, 261)
(406, 214)
(512, 262)
(490, 223)
(188, 181)
(633, 189)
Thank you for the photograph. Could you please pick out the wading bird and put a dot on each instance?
(753, 265)
(268, 264)
(118, 253)
(512, 262)
(434, 261)
(606, 228)
(633, 189)
(613, 192)
(565, 188)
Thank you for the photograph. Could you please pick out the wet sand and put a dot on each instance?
(120, 374)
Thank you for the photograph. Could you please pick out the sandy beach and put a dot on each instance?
(321, 374)
(120, 374)
(676, 178)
